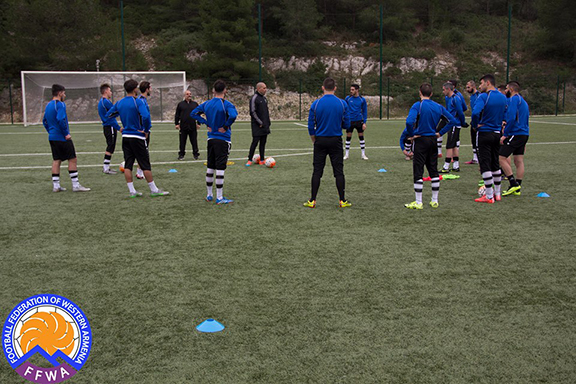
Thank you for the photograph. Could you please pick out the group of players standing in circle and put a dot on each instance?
(499, 128)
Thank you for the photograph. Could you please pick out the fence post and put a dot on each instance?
(259, 42)
(344, 89)
(557, 94)
(300, 97)
(509, 39)
(381, 42)
(12, 106)
(388, 101)
(161, 107)
(564, 98)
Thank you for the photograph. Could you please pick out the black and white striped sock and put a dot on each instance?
(363, 145)
(219, 184)
(107, 159)
(488, 183)
(435, 189)
(348, 141)
(56, 180)
(209, 181)
(497, 182)
(418, 186)
(439, 144)
(74, 178)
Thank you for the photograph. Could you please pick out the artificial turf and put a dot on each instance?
(466, 293)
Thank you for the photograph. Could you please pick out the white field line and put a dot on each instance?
(175, 131)
(550, 122)
(235, 159)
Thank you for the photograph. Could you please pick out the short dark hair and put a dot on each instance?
(144, 86)
(515, 86)
(501, 87)
(104, 87)
(57, 88)
(448, 85)
(130, 85)
(489, 78)
(329, 84)
(426, 90)
(219, 86)
(454, 82)
(355, 86)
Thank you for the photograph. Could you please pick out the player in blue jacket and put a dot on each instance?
(454, 106)
(406, 145)
(220, 115)
(487, 116)
(136, 125)
(426, 121)
(110, 127)
(471, 89)
(358, 110)
(327, 118)
(514, 138)
(56, 123)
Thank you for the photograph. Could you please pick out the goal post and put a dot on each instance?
(83, 93)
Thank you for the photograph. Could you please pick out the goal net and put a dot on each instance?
(83, 93)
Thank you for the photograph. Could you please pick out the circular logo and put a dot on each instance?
(49, 326)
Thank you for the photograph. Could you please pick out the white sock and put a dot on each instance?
(488, 183)
(497, 182)
(139, 172)
(209, 181)
(475, 157)
(56, 181)
(363, 147)
(439, 144)
(153, 187)
(435, 189)
(74, 178)
(446, 165)
(418, 185)
(219, 184)
(456, 164)
(131, 187)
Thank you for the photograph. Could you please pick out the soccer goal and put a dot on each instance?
(83, 93)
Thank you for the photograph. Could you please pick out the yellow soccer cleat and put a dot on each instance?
(344, 204)
(310, 204)
(414, 205)
(512, 191)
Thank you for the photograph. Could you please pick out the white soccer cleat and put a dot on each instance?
(80, 189)
(364, 157)
(346, 157)
(59, 189)
(109, 172)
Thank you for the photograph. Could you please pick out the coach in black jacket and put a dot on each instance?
(187, 125)
(260, 118)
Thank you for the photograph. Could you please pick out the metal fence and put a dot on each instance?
(290, 99)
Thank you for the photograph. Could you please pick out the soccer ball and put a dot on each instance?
(256, 159)
(481, 191)
(122, 167)
(270, 162)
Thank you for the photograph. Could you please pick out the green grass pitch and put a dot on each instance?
(467, 293)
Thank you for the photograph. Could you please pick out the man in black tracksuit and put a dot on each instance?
(187, 125)
(260, 118)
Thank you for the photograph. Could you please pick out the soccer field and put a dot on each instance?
(466, 293)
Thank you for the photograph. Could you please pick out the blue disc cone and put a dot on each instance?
(382, 170)
(543, 194)
(210, 326)
(172, 171)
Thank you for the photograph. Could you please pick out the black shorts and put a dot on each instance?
(110, 134)
(355, 125)
(453, 138)
(136, 149)
(330, 146)
(63, 150)
(514, 145)
(488, 150)
(425, 155)
(218, 152)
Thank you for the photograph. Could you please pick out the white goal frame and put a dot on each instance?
(92, 73)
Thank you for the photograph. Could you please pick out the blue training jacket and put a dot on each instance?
(328, 116)
(454, 106)
(104, 106)
(517, 116)
(134, 115)
(403, 138)
(462, 100)
(489, 111)
(56, 121)
(473, 98)
(426, 116)
(145, 101)
(219, 113)
(358, 109)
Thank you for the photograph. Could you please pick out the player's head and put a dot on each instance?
(59, 92)
(130, 86)
(502, 88)
(354, 90)
(487, 82)
(105, 90)
(448, 89)
(513, 88)
(261, 88)
(329, 85)
(471, 86)
(219, 87)
(425, 90)
(187, 95)
(145, 88)
(453, 82)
